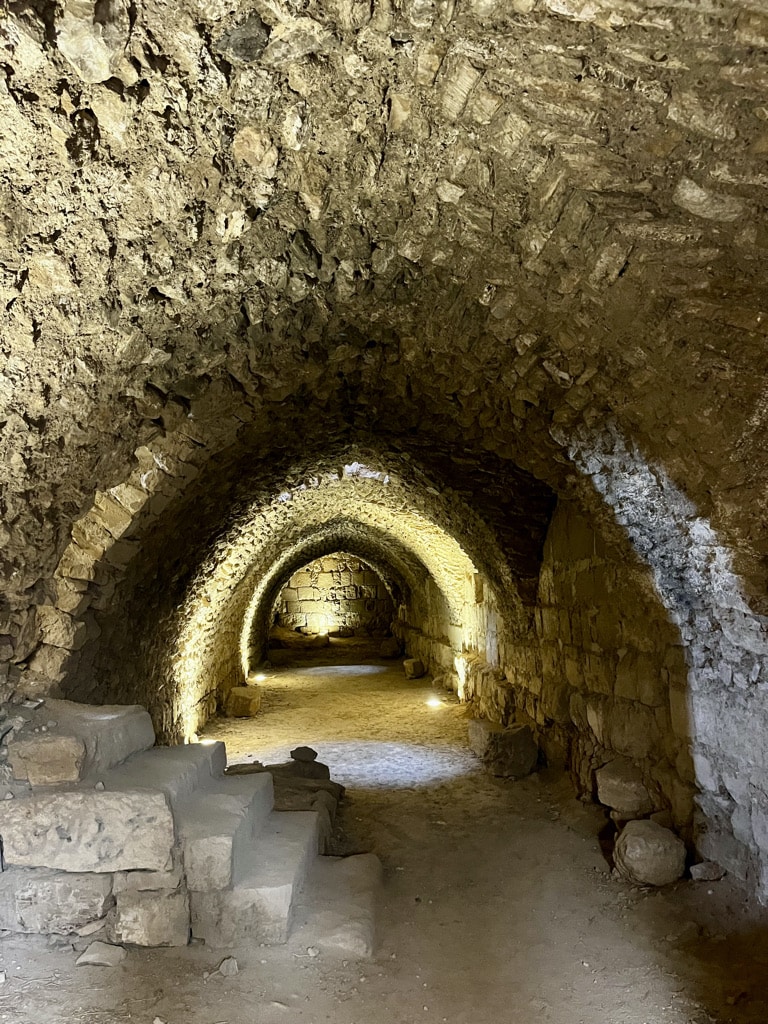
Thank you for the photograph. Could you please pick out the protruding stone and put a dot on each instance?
(647, 854)
(111, 732)
(243, 702)
(414, 668)
(101, 954)
(507, 752)
(44, 759)
(620, 786)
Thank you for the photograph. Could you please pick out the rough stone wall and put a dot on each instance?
(724, 707)
(338, 591)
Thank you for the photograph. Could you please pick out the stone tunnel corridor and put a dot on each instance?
(431, 322)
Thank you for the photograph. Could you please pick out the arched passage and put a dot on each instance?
(339, 595)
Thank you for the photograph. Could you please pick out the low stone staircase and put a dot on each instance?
(150, 847)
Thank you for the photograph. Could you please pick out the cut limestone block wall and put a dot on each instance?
(337, 592)
(602, 673)
(613, 673)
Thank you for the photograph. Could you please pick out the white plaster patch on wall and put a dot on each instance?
(725, 642)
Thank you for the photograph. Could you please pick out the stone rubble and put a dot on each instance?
(101, 954)
(509, 752)
(647, 854)
(414, 668)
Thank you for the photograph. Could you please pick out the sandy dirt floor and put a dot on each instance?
(497, 908)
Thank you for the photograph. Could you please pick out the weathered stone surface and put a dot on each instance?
(151, 881)
(620, 786)
(337, 912)
(510, 752)
(151, 918)
(45, 759)
(337, 594)
(101, 954)
(42, 902)
(111, 733)
(647, 854)
(414, 668)
(707, 871)
(84, 830)
(243, 702)
(259, 906)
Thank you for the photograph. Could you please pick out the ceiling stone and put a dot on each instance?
(471, 228)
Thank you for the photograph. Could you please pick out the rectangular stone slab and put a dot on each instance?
(41, 902)
(45, 759)
(111, 732)
(89, 830)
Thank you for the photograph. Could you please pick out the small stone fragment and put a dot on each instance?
(304, 754)
(228, 967)
(101, 954)
(414, 668)
(509, 752)
(647, 854)
(707, 871)
(243, 702)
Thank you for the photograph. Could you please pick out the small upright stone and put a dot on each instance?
(509, 752)
(243, 702)
(305, 754)
(647, 854)
(414, 668)
(228, 967)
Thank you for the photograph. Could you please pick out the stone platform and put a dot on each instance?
(105, 834)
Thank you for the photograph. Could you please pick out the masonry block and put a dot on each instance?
(42, 902)
(89, 830)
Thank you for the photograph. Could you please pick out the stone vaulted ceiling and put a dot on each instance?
(470, 229)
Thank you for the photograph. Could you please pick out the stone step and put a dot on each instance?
(217, 824)
(176, 771)
(268, 879)
(86, 740)
(336, 912)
